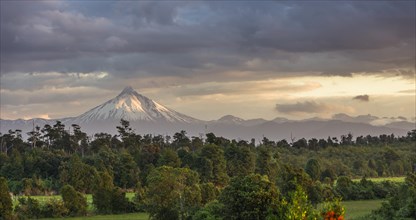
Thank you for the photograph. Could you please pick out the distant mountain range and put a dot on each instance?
(149, 117)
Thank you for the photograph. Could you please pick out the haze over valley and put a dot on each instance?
(147, 116)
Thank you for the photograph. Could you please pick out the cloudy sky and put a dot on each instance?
(267, 59)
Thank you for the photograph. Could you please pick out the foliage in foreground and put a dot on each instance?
(74, 201)
(401, 205)
(195, 178)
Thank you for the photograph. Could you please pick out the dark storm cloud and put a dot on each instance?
(46, 97)
(183, 38)
(363, 98)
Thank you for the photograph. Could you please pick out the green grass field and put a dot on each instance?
(131, 216)
(399, 179)
(355, 209)
(42, 199)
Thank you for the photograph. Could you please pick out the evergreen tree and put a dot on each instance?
(74, 201)
(6, 206)
(215, 155)
(78, 174)
(249, 197)
(109, 199)
(313, 169)
(169, 157)
(173, 193)
(240, 161)
(102, 193)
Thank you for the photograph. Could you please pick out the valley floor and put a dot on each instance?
(353, 209)
(356, 209)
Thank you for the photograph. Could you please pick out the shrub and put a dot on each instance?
(333, 210)
(401, 205)
(211, 211)
(298, 206)
(28, 208)
(249, 197)
(54, 208)
(110, 199)
(140, 198)
(74, 201)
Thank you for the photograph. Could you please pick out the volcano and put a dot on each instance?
(132, 106)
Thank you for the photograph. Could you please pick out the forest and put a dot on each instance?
(207, 177)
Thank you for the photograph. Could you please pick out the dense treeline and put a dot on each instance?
(210, 177)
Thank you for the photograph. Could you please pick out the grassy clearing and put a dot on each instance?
(399, 179)
(355, 209)
(130, 216)
(43, 199)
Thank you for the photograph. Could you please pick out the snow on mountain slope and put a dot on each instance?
(230, 119)
(132, 106)
(233, 120)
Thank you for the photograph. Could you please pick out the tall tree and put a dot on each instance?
(34, 137)
(214, 156)
(240, 161)
(249, 197)
(74, 201)
(265, 162)
(127, 135)
(169, 157)
(181, 140)
(126, 172)
(6, 205)
(313, 169)
(173, 193)
(78, 174)
(107, 198)
(79, 140)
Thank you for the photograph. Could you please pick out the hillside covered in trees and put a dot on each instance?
(209, 177)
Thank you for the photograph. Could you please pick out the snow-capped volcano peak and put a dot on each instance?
(132, 106)
(128, 90)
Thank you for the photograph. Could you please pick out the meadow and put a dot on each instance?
(130, 216)
(397, 179)
(354, 209)
(42, 199)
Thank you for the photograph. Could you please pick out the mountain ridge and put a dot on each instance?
(148, 116)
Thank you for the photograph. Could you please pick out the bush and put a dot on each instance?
(28, 208)
(365, 189)
(54, 208)
(402, 205)
(109, 199)
(298, 206)
(74, 201)
(119, 202)
(211, 211)
(249, 197)
(333, 210)
(140, 198)
(208, 192)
